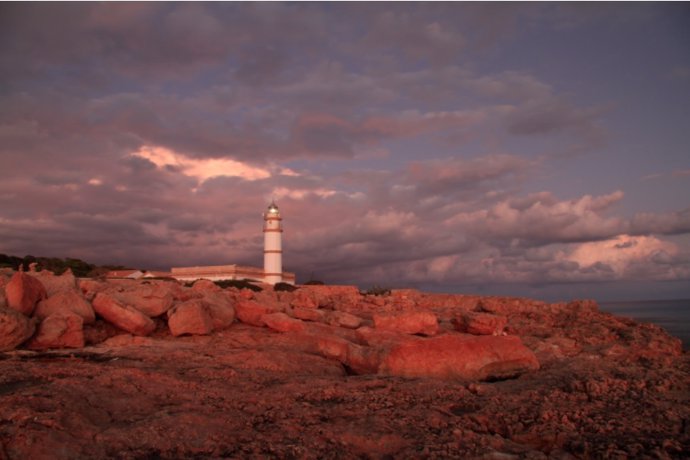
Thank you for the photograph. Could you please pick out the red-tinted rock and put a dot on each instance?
(308, 314)
(23, 292)
(343, 319)
(190, 317)
(459, 356)
(283, 323)
(63, 302)
(419, 322)
(121, 315)
(304, 299)
(206, 285)
(56, 283)
(480, 323)
(15, 328)
(151, 299)
(59, 330)
(250, 312)
(220, 306)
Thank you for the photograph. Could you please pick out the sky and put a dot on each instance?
(528, 149)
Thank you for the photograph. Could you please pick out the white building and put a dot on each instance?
(272, 272)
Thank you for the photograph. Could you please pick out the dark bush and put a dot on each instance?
(239, 284)
(284, 287)
(314, 283)
(377, 290)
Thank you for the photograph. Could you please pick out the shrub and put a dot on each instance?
(239, 284)
(377, 290)
(314, 283)
(284, 287)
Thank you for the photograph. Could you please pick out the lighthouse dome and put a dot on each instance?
(272, 208)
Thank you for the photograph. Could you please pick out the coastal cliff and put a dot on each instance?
(154, 368)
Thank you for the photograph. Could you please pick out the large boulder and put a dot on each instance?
(480, 323)
(283, 323)
(59, 330)
(55, 283)
(63, 302)
(221, 308)
(343, 319)
(23, 292)
(122, 315)
(414, 322)
(151, 299)
(250, 312)
(15, 328)
(459, 356)
(190, 317)
(308, 314)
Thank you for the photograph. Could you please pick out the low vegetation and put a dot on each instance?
(239, 284)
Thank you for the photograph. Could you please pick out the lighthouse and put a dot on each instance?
(273, 250)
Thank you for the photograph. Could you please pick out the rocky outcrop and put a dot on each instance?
(480, 323)
(23, 292)
(64, 302)
(59, 330)
(251, 312)
(55, 283)
(190, 317)
(15, 328)
(121, 315)
(421, 322)
(565, 382)
(151, 299)
(459, 357)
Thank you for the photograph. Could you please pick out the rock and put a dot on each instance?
(419, 322)
(304, 300)
(151, 299)
(90, 287)
(480, 323)
(343, 319)
(3, 299)
(190, 317)
(250, 312)
(59, 330)
(56, 283)
(220, 306)
(459, 356)
(283, 323)
(15, 329)
(206, 285)
(63, 302)
(23, 292)
(309, 314)
(121, 315)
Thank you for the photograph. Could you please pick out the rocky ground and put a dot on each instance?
(154, 369)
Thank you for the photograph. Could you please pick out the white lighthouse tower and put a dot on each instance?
(273, 250)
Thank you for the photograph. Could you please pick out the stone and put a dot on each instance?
(415, 322)
(283, 323)
(151, 299)
(480, 323)
(459, 356)
(220, 306)
(23, 292)
(15, 329)
(309, 314)
(63, 302)
(190, 317)
(250, 312)
(304, 299)
(56, 283)
(343, 319)
(59, 330)
(121, 315)
(206, 285)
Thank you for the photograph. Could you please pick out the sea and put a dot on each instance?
(672, 315)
